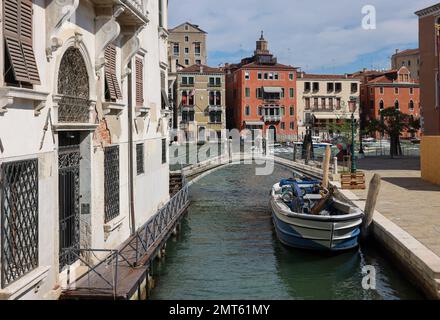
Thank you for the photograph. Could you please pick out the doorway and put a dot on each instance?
(69, 157)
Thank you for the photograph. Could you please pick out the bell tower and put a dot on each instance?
(262, 45)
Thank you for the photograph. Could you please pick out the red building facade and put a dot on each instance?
(394, 88)
(261, 94)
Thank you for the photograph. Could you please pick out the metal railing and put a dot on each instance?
(214, 107)
(138, 250)
(136, 5)
(74, 110)
(272, 118)
(380, 151)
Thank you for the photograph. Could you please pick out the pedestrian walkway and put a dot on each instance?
(405, 199)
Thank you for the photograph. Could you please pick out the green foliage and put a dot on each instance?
(344, 129)
(393, 123)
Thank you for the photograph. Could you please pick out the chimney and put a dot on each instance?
(397, 51)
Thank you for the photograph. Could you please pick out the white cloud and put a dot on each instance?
(312, 33)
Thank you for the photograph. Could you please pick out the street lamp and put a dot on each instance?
(352, 108)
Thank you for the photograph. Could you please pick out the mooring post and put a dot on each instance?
(370, 205)
(294, 152)
(308, 151)
(326, 166)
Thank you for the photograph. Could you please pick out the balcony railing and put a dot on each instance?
(187, 107)
(215, 108)
(272, 100)
(272, 118)
(190, 85)
(322, 109)
(136, 14)
(73, 110)
(136, 4)
(214, 85)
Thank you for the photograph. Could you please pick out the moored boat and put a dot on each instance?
(307, 216)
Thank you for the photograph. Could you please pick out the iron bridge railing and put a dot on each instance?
(137, 251)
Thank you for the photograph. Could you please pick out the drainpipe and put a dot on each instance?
(130, 152)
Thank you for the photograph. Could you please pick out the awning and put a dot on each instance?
(165, 102)
(254, 123)
(273, 90)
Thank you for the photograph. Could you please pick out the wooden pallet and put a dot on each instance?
(355, 181)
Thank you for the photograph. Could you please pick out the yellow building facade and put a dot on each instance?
(201, 103)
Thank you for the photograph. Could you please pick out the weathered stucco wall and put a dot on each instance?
(430, 159)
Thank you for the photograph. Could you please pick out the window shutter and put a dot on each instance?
(12, 36)
(18, 36)
(139, 82)
(26, 41)
(110, 73)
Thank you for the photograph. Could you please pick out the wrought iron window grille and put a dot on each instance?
(19, 219)
(111, 183)
(140, 158)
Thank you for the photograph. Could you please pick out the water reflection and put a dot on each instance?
(228, 250)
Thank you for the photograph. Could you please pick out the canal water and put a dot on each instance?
(227, 249)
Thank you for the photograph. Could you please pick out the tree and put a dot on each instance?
(344, 130)
(393, 123)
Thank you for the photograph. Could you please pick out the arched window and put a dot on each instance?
(73, 87)
(381, 105)
(396, 105)
(411, 106)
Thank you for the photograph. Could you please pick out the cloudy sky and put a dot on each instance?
(316, 35)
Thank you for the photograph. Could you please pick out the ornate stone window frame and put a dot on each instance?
(76, 42)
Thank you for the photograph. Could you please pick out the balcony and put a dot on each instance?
(214, 85)
(186, 85)
(187, 107)
(272, 100)
(272, 118)
(73, 113)
(322, 109)
(134, 14)
(215, 108)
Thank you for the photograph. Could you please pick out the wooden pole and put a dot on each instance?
(326, 166)
(308, 149)
(370, 205)
(335, 161)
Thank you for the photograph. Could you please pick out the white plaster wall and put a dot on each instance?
(21, 133)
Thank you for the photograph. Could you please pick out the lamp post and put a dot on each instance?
(361, 143)
(352, 108)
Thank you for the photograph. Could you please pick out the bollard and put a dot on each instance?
(370, 205)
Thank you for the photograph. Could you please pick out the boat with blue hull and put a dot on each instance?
(307, 216)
